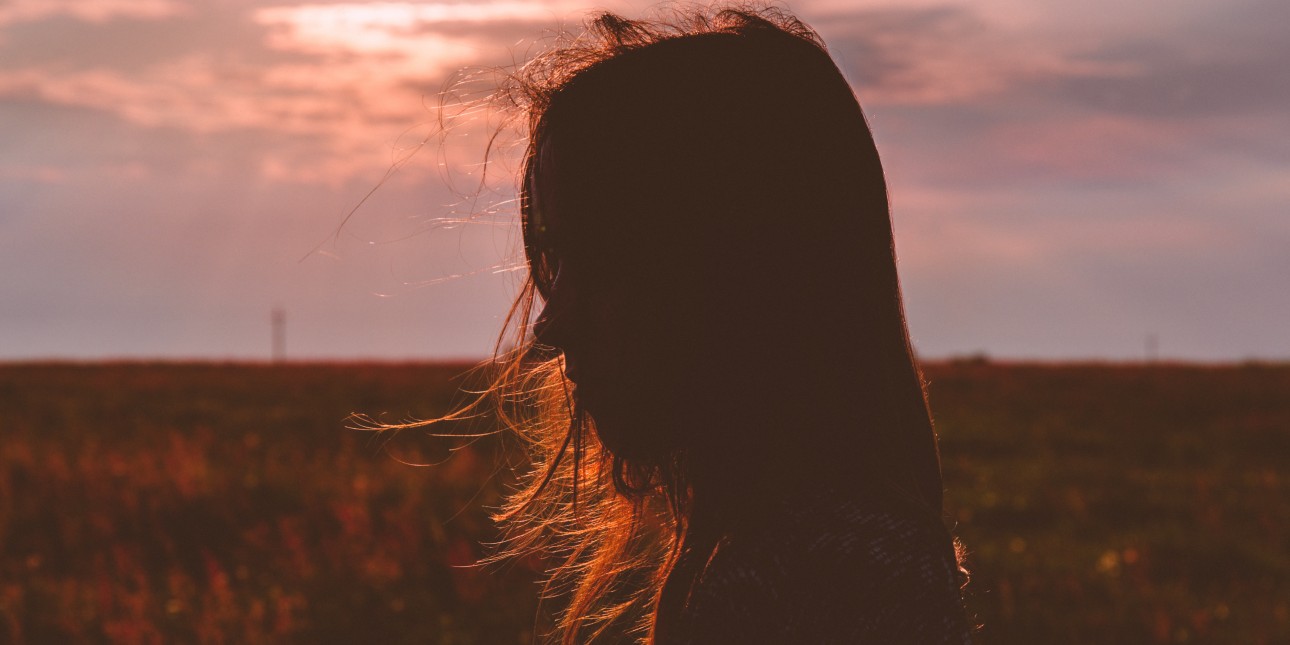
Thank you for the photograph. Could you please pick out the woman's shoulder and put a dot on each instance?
(832, 568)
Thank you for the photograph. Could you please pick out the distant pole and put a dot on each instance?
(1152, 347)
(278, 320)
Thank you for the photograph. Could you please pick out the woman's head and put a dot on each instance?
(706, 225)
(706, 220)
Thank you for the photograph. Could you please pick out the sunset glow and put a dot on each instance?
(1065, 180)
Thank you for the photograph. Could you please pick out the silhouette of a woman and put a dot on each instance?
(733, 442)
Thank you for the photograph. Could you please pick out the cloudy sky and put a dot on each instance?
(1067, 178)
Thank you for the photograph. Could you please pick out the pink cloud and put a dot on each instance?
(200, 94)
(1098, 146)
(360, 82)
(391, 26)
(953, 55)
(39, 173)
(15, 11)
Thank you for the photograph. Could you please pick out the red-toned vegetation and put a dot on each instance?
(228, 503)
(1120, 504)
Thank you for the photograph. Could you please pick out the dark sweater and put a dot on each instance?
(829, 569)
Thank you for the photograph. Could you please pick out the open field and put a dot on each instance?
(217, 503)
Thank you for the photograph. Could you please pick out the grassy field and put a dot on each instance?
(213, 503)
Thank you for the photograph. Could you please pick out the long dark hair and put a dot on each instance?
(713, 176)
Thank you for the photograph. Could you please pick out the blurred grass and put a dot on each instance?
(175, 503)
(228, 503)
(1120, 504)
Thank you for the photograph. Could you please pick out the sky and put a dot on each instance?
(1068, 180)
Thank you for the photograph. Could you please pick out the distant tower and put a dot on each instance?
(1152, 347)
(278, 320)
